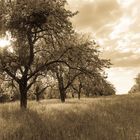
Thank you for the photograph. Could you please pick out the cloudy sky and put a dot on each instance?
(115, 24)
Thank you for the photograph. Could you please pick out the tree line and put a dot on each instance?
(48, 53)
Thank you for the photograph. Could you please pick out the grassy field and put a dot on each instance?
(105, 118)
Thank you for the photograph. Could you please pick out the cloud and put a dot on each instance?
(96, 14)
(114, 24)
(122, 59)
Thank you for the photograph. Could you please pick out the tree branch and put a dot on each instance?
(11, 75)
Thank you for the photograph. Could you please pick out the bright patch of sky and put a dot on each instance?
(115, 26)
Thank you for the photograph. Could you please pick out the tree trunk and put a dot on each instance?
(87, 94)
(72, 95)
(62, 95)
(37, 97)
(23, 96)
(79, 95)
(79, 91)
(61, 89)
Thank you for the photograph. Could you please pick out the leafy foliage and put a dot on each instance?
(45, 43)
(35, 26)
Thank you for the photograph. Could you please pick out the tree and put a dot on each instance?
(35, 26)
(77, 87)
(8, 88)
(82, 59)
(41, 85)
(93, 85)
(39, 91)
(106, 88)
(65, 79)
(136, 87)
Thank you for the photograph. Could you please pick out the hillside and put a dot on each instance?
(105, 118)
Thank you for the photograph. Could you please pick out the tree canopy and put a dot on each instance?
(43, 40)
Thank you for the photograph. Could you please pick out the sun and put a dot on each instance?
(4, 42)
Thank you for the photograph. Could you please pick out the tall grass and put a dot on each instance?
(106, 118)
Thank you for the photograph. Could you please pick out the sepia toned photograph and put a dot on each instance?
(69, 70)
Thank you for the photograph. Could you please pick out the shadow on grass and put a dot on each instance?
(23, 125)
(31, 125)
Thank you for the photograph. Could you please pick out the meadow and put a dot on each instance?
(103, 118)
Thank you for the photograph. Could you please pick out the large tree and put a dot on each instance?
(38, 29)
(82, 59)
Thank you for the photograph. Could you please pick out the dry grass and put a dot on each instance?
(106, 118)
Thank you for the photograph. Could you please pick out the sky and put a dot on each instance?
(115, 25)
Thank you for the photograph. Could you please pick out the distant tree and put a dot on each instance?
(8, 88)
(77, 87)
(35, 26)
(137, 80)
(39, 90)
(107, 88)
(41, 85)
(95, 85)
(136, 87)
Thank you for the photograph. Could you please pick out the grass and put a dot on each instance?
(105, 118)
